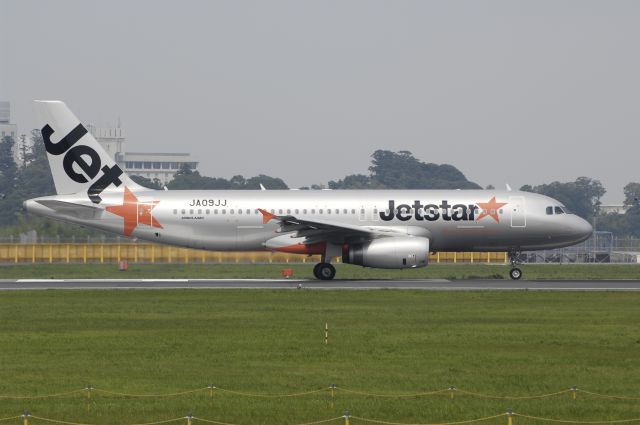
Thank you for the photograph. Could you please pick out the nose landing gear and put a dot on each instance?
(515, 273)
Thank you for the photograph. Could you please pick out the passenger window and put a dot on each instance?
(297, 211)
(175, 211)
(249, 211)
(549, 210)
(224, 212)
(304, 211)
(354, 211)
(191, 212)
(559, 210)
(313, 211)
(199, 212)
(208, 212)
(337, 211)
(231, 211)
(289, 212)
(280, 212)
(215, 211)
(239, 211)
(184, 212)
(328, 210)
(320, 211)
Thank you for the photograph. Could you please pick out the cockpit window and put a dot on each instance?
(559, 210)
(549, 210)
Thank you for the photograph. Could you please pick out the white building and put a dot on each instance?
(613, 209)
(152, 165)
(6, 128)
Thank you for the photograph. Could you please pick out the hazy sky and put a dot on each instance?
(507, 91)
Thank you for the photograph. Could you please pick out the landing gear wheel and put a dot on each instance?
(515, 273)
(324, 271)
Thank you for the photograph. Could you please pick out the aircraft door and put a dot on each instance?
(518, 212)
(363, 213)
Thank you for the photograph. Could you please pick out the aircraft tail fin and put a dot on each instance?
(78, 163)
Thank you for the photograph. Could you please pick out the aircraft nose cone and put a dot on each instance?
(582, 229)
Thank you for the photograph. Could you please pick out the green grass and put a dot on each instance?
(446, 271)
(272, 342)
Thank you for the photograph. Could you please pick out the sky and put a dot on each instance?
(507, 91)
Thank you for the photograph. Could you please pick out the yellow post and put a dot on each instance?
(88, 390)
(438, 257)
(84, 254)
(472, 258)
(50, 253)
(101, 253)
(118, 253)
(488, 257)
(509, 417)
(455, 257)
(574, 391)
(211, 388)
(452, 392)
(25, 418)
(346, 417)
(332, 388)
(326, 333)
(33, 253)
(153, 254)
(68, 248)
(505, 258)
(203, 257)
(135, 253)
(189, 418)
(16, 255)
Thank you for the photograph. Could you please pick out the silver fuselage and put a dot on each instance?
(230, 220)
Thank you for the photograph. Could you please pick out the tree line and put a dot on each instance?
(389, 170)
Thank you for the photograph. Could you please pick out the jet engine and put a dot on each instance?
(395, 252)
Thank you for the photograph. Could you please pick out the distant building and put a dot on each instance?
(6, 128)
(152, 165)
(613, 209)
(161, 166)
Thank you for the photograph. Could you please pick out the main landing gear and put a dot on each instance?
(515, 273)
(324, 271)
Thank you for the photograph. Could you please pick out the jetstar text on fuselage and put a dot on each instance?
(433, 212)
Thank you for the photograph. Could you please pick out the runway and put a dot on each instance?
(297, 284)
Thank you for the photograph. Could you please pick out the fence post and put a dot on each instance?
(452, 392)
(509, 417)
(88, 389)
(189, 418)
(211, 388)
(346, 417)
(326, 333)
(25, 418)
(574, 391)
(332, 389)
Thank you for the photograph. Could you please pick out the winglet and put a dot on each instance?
(262, 187)
(266, 216)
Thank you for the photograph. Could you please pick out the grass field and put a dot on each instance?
(271, 342)
(446, 271)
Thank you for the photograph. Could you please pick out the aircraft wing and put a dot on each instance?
(321, 230)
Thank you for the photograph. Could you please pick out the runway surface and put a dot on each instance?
(429, 285)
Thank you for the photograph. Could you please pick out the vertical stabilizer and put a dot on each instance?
(78, 162)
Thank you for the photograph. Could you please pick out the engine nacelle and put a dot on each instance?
(396, 252)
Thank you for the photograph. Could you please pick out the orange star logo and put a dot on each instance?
(134, 212)
(490, 209)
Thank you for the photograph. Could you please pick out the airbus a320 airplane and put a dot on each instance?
(392, 229)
